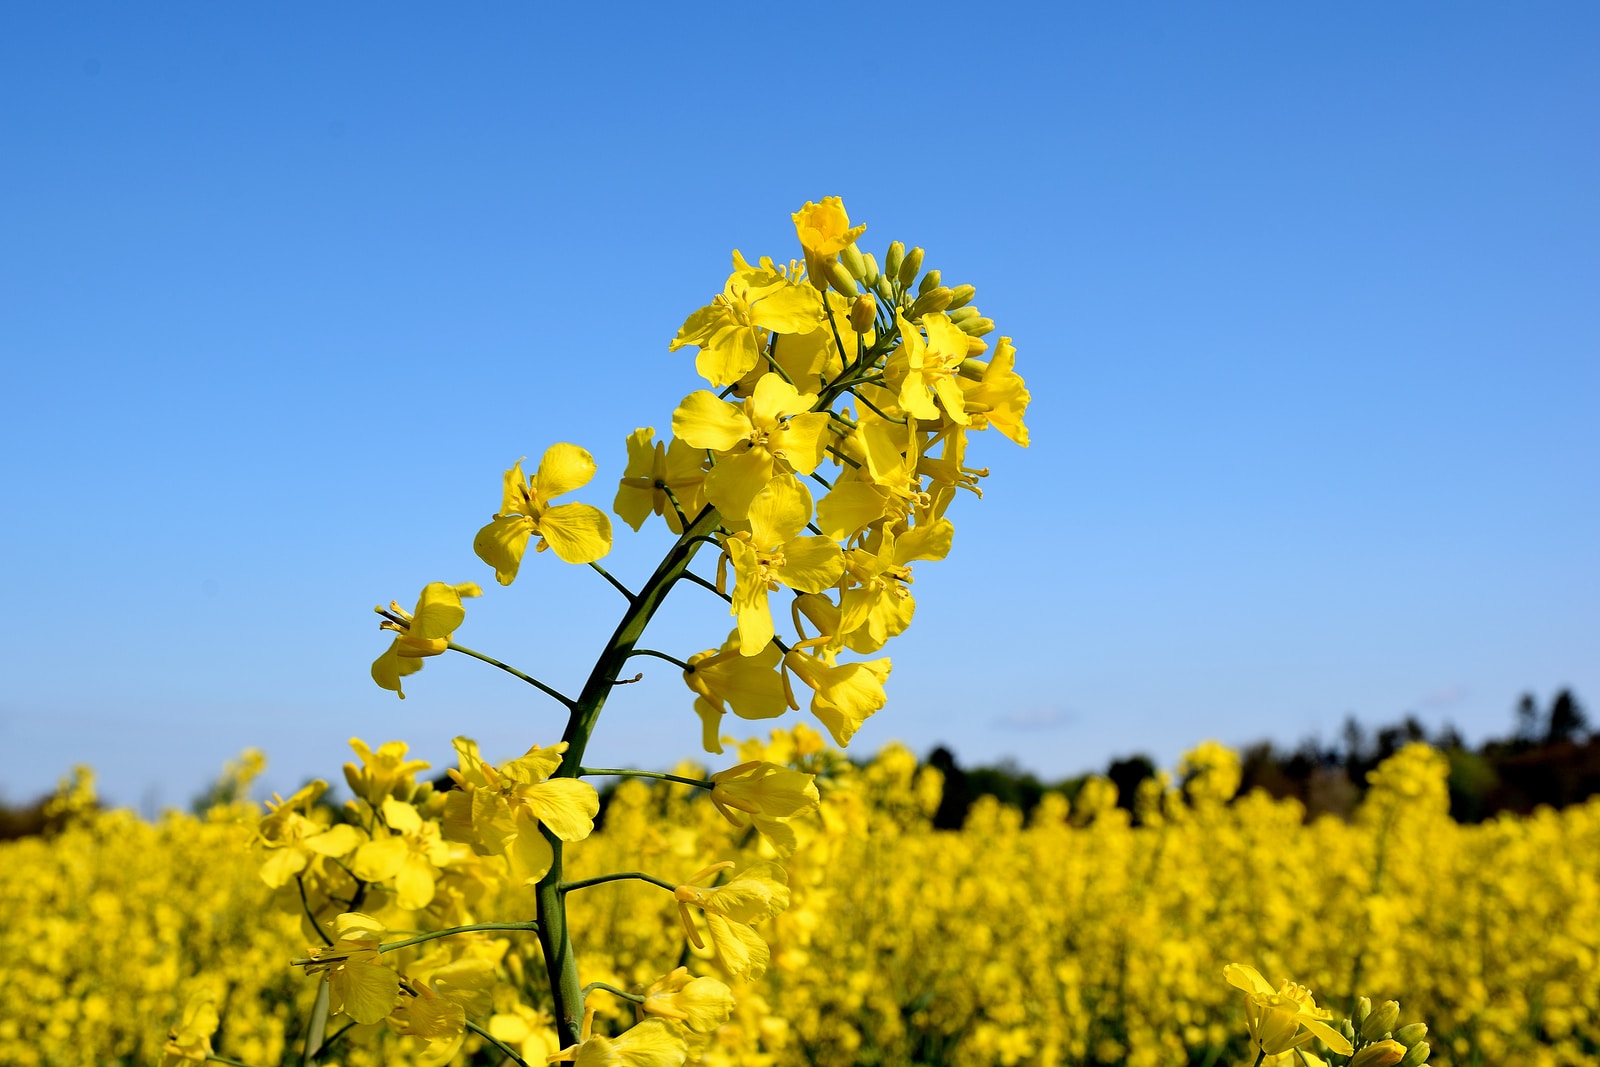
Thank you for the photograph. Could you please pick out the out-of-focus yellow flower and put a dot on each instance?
(384, 773)
(530, 1030)
(652, 1043)
(292, 837)
(410, 855)
(358, 985)
(1274, 1017)
(702, 1004)
(425, 632)
(190, 1040)
(577, 533)
(753, 895)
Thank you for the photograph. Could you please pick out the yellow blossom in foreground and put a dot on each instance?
(499, 812)
(577, 533)
(424, 632)
(724, 680)
(824, 230)
(358, 985)
(702, 1004)
(1274, 1017)
(751, 896)
(190, 1040)
(653, 1043)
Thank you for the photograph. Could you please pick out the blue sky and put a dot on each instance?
(1306, 297)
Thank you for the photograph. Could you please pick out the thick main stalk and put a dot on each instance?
(554, 938)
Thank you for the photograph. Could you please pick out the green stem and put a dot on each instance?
(897, 419)
(317, 1027)
(433, 934)
(491, 661)
(697, 580)
(561, 963)
(600, 879)
(619, 772)
(661, 655)
(300, 883)
(635, 998)
(618, 586)
(497, 1043)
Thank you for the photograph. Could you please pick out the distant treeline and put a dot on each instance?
(1550, 757)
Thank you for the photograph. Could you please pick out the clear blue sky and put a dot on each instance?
(1308, 297)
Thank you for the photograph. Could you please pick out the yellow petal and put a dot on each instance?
(563, 468)
(365, 991)
(389, 668)
(577, 533)
(566, 805)
(439, 611)
(703, 421)
(501, 545)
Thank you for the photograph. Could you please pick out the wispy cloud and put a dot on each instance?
(1035, 719)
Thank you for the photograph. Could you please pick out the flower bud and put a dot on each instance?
(850, 256)
(1416, 1055)
(909, 267)
(862, 312)
(884, 287)
(976, 327)
(963, 296)
(893, 258)
(1410, 1035)
(1381, 1021)
(930, 281)
(839, 277)
(962, 314)
(870, 273)
(1363, 1009)
(1348, 1030)
(1380, 1054)
(930, 301)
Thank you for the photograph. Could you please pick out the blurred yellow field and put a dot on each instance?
(1078, 938)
